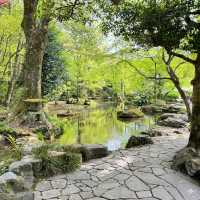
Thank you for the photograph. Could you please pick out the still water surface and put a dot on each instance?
(101, 126)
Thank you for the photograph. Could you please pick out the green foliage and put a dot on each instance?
(10, 36)
(40, 136)
(5, 129)
(53, 69)
(52, 165)
(165, 23)
(15, 149)
(141, 99)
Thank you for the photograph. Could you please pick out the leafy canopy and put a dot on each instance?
(172, 24)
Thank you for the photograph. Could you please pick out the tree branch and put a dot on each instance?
(141, 73)
(182, 56)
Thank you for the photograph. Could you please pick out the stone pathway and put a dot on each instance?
(138, 173)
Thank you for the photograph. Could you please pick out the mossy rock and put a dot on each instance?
(135, 141)
(91, 151)
(130, 113)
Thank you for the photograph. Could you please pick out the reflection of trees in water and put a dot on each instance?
(101, 126)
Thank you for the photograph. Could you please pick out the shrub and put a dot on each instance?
(5, 129)
(56, 159)
(141, 99)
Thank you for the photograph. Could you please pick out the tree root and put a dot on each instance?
(188, 161)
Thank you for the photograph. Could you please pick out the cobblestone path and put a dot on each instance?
(138, 173)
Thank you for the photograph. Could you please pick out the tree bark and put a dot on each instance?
(194, 140)
(36, 33)
(182, 93)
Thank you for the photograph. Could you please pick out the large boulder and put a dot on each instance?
(91, 151)
(28, 168)
(135, 141)
(151, 109)
(13, 187)
(11, 183)
(173, 122)
(165, 131)
(174, 108)
(130, 113)
(188, 160)
(183, 117)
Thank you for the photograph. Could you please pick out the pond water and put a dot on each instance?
(101, 126)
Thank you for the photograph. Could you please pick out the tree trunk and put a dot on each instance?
(194, 140)
(33, 65)
(36, 33)
(184, 97)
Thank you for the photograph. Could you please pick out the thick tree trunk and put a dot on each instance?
(182, 93)
(194, 140)
(33, 65)
(36, 33)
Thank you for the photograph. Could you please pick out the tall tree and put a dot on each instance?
(37, 16)
(173, 25)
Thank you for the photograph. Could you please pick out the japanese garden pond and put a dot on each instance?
(101, 126)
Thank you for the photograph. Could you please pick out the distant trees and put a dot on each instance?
(11, 52)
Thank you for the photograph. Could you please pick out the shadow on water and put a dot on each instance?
(101, 126)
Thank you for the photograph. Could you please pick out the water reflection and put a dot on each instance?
(101, 126)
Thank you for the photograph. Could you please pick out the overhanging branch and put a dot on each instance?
(141, 73)
(183, 57)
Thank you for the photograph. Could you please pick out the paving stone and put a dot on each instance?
(79, 175)
(150, 179)
(43, 186)
(135, 184)
(50, 194)
(75, 197)
(90, 183)
(158, 171)
(105, 186)
(161, 193)
(120, 192)
(70, 189)
(122, 177)
(59, 184)
(173, 191)
(185, 185)
(86, 195)
(144, 194)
